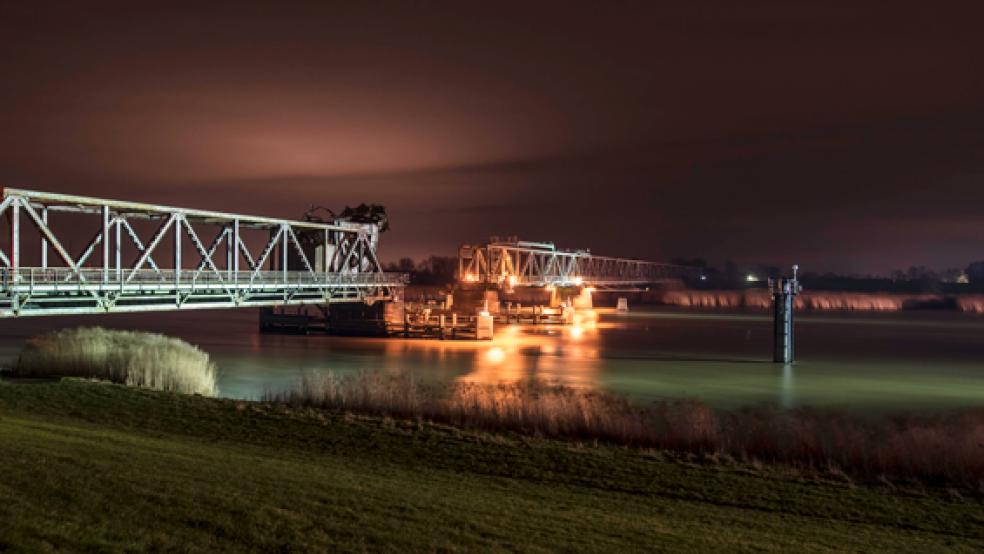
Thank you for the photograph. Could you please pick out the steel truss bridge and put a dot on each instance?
(540, 264)
(172, 267)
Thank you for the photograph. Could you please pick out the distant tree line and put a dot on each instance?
(435, 270)
(915, 279)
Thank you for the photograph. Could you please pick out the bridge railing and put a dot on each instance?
(587, 280)
(56, 278)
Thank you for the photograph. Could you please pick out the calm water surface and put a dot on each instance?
(857, 361)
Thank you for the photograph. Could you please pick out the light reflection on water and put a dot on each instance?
(902, 361)
(551, 354)
(788, 387)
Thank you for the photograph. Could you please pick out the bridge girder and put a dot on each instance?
(300, 262)
(518, 263)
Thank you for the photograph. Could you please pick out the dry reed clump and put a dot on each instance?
(942, 448)
(126, 357)
(973, 303)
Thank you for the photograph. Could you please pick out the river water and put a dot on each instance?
(859, 361)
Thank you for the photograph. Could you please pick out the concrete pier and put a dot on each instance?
(484, 326)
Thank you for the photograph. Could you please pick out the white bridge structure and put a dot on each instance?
(93, 255)
(513, 263)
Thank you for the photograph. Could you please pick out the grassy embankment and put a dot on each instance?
(100, 466)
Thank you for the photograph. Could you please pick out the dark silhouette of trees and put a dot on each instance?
(367, 213)
(952, 275)
(689, 262)
(975, 272)
(405, 265)
(363, 213)
(435, 270)
(439, 270)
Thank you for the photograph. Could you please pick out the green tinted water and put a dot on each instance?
(858, 361)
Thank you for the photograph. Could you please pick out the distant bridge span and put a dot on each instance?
(540, 264)
(171, 267)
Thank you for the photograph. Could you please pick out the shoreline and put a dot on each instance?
(817, 301)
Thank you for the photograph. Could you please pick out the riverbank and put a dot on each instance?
(818, 300)
(95, 466)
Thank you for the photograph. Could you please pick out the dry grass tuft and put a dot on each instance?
(126, 357)
(941, 448)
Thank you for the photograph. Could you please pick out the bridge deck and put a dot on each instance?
(47, 291)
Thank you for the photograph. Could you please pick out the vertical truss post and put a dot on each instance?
(235, 247)
(105, 241)
(324, 254)
(229, 251)
(119, 253)
(359, 252)
(273, 246)
(177, 249)
(15, 236)
(44, 240)
(283, 247)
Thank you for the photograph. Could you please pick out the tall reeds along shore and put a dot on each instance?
(127, 357)
(946, 448)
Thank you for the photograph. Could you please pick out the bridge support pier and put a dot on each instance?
(484, 326)
(583, 299)
(555, 300)
(567, 314)
(491, 301)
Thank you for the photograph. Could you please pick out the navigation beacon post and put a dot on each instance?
(783, 292)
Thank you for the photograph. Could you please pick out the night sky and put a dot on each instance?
(848, 137)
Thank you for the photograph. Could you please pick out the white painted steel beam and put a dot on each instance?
(541, 264)
(192, 279)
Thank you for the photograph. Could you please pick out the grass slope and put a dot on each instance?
(96, 466)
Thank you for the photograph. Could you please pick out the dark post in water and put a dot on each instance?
(784, 292)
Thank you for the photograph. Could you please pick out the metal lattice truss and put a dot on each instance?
(300, 262)
(538, 264)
